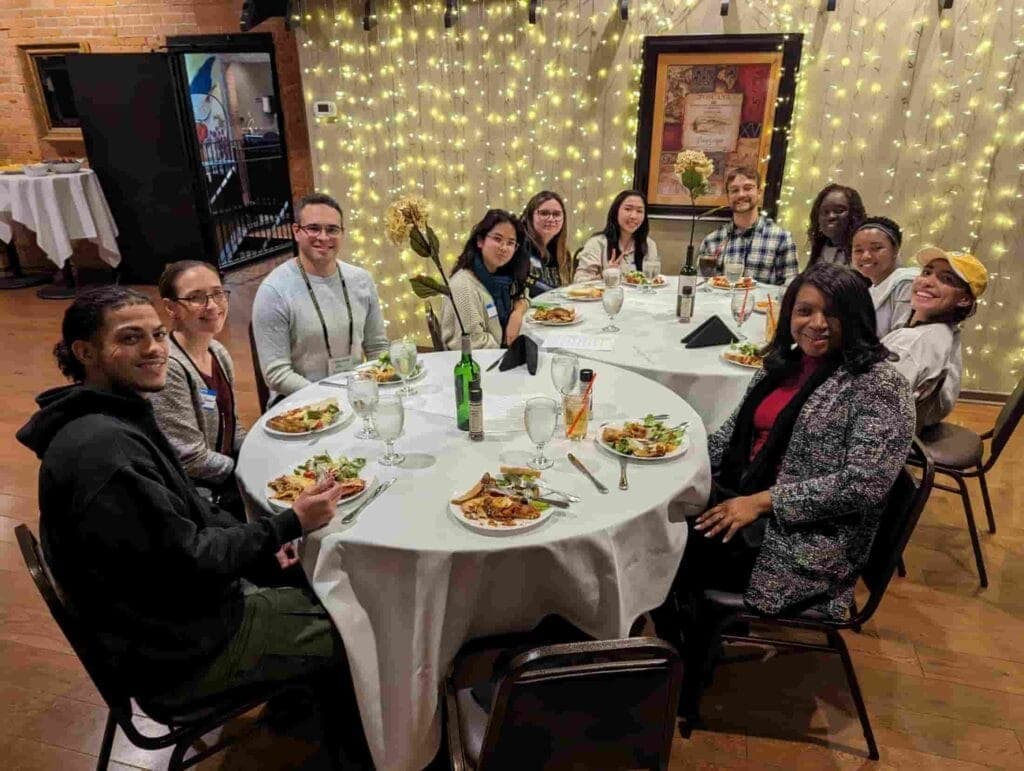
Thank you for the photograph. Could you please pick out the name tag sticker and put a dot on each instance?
(492, 310)
(208, 398)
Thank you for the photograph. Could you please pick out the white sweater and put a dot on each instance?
(930, 358)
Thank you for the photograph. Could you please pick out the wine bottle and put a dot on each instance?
(687, 288)
(466, 371)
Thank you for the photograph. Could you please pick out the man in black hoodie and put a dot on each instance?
(154, 569)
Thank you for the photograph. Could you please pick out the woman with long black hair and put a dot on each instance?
(623, 243)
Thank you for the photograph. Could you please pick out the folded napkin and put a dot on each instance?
(523, 350)
(714, 331)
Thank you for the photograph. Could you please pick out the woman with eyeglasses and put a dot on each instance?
(545, 223)
(196, 408)
(488, 285)
(623, 243)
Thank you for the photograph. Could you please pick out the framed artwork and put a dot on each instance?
(730, 96)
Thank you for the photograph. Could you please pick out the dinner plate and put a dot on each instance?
(567, 296)
(284, 505)
(739, 363)
(344, 418)
(640, 286)
(546, 323)
(729, 289)
(479, 526)
(420, 372)
(684, 445)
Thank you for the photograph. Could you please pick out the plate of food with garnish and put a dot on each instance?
(503, 503)
(306, 419)
(554, 315)
(645, 438)
(636, 278)
(284, 489)
(745, 354)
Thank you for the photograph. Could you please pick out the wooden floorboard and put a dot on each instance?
(941, 665)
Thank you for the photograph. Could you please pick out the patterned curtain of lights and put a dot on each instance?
(920, 109)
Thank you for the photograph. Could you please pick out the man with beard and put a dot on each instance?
(767, 251)
(156, 571)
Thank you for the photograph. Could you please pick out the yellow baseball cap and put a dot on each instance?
(966, 266)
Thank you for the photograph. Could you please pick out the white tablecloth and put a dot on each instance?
(649, 344)
(59, 208)
(407, 584)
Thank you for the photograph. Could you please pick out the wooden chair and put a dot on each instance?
(594, 705)
(185, 726)
(903, 509)
(434, 327)
(958, 453)
(262, 392)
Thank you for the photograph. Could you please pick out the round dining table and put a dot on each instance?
(649, 342)
(407, 583)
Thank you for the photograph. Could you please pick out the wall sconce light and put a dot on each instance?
(724, 10)
(624, 10)
(451, 11)
(945, 5)
(533, 11)
(369, 16)
(830, 5)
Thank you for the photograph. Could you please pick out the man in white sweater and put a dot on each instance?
(315, 315)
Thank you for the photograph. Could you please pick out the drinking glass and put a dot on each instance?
(652, 269)
(390, 420)
(541, 416)
(707, 266)
(733, 269)
(362, 395)
(742, 306)
(612, 301)
(565, 371)
(403, 359)
(612, 277)
(576, 412)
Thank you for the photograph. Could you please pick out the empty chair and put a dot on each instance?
(594, 705)
(903, 509)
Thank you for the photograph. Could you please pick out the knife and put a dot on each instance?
(526, 500)
(372, 497)
(579, 465)
(495, 363)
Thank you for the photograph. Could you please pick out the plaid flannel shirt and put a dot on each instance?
(768, 252)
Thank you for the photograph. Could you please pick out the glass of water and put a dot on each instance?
(652, 271)
(733, 268)
(612, 301)
(362, 395)
(565, 371)
(390, 420)
(541, 416)
(403, 359)
(742, 306)
(612, 277)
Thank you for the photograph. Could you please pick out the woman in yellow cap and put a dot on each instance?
(928, 347)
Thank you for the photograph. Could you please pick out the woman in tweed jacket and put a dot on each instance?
(196, 408)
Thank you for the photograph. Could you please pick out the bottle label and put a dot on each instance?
(476, 421)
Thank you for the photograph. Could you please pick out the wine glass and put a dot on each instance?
(403, 359)
(742, 306)
(565, 371)
(612, 302)
(652, 270)
(541, 416)
(707, 265)
(390, 420)
(362, 395)
(733, 269)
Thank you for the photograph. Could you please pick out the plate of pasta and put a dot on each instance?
(284, 489)
(554, 316)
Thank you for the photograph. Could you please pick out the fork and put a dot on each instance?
(623, 479)
(381, 488)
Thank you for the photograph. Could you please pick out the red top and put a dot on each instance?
(768, 410)
(218, 381)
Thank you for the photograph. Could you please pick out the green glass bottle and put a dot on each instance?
(466, 371)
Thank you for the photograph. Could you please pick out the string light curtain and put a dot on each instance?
(919, 109)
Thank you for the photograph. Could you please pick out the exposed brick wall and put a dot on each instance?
(127, 26)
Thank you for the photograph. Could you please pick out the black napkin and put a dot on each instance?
(714, 331)
(523, 350)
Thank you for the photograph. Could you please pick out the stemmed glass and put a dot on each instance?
(403, 359)
(612, 302)
(742, 306)
(707, 265)
(565, 371)
(652, 270)
(541, 416)
(612, 277)
(733, 269)
(390, 420)
(362, 395)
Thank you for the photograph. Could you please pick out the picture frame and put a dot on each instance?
(44, 96)
(731, 96)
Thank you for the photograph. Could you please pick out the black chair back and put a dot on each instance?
(85, 644)
(434, 327)
(907, 499)
(262, 392)
(1006, 423)
(594, 705)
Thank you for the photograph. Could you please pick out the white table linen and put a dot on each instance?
(649, 344)
(59, 208)
(407, 585)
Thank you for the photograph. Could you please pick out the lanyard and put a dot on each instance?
(320, 313)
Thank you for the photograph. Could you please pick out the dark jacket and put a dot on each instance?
(146, 562)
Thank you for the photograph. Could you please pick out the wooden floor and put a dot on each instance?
(941, 665)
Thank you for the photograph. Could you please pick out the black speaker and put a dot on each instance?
(258, 11)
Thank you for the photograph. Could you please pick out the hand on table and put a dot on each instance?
(733, 514)
(316, 505)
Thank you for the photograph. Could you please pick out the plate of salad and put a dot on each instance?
(644, 438)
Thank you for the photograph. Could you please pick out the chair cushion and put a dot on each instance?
(472, 725)
(952, 446)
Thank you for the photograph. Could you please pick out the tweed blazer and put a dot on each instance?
(190, 429)
(850, 440)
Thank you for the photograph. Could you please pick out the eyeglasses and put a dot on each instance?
(502, 243)
(549, 215)
(315, 229)
(200, 299)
